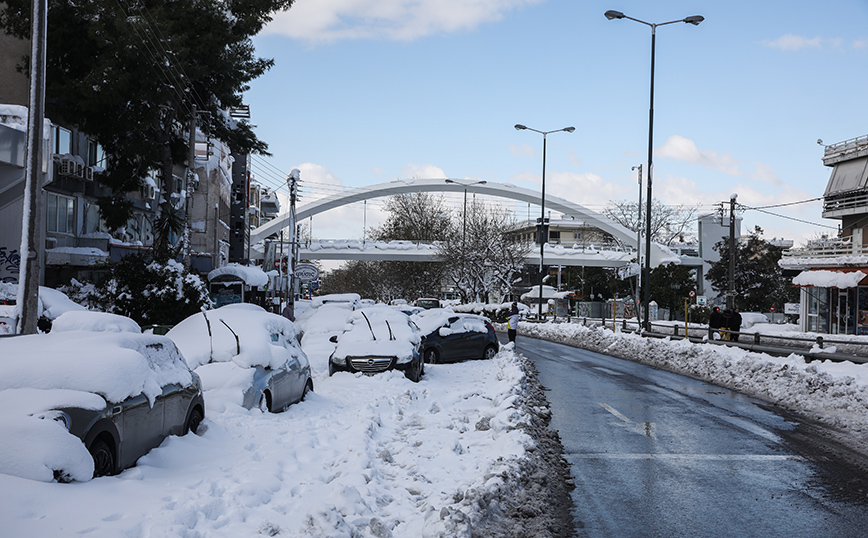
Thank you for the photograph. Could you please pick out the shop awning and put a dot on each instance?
(823, 278)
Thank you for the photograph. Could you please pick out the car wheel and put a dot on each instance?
(332, 369)
(489, 352)
(194, 421)
(431, 355)
(265, 402)
(414, 372)
(103, 458)
(308, 387)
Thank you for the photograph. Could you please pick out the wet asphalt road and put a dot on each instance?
(655, 454)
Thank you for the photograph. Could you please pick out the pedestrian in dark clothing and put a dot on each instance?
(726, 324)
(735, 324)
(512, 322)
(714, 323)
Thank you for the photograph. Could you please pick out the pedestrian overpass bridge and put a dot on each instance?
(409, 251)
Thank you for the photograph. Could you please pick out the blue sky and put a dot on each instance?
(368, 91)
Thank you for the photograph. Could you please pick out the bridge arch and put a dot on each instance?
(659, 254)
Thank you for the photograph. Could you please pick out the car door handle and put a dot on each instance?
(116, 410)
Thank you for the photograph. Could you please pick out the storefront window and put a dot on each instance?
(818, 310)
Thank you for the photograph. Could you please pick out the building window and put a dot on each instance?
(95, 154)
(60, 213)
(62, 140)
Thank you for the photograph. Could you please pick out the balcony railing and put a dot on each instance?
(847, 201)
(826, 249)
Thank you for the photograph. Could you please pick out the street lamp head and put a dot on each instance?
(612, 14)
(694, 19)
(520, 127)
(569, 129)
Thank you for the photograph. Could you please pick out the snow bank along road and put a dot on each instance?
(460, 453)
(831, 393)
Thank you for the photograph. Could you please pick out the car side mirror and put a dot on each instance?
(333, 339)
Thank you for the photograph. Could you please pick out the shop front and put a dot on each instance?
(834, 301)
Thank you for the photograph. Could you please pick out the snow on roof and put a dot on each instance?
(252, 276)
(264, 339)
(829, 279)
(113, 365)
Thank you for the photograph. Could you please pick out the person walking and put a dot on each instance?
(714, 323)
(735, 324)
(512, 322)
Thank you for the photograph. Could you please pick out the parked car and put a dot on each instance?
(451, 337)
(377, 339)
(427, 302)
(83, 404)
(245, 336)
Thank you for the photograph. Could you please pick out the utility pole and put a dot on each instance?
(292, 182)
(730, 294)
(188, 174)
(31, 236)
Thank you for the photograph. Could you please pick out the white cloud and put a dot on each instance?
(323, 21)
(422, 171)
(684, 149)
(522, 150)
(792, 42)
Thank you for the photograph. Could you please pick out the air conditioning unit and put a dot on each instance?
(150, 192)
(79, 170)
(88, 173)
(67, 167)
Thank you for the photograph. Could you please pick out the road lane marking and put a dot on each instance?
(607, 371)
(735, 421)
(696, 457)
(752, 428)
(643, 428)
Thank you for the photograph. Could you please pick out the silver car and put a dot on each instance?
(246, 336)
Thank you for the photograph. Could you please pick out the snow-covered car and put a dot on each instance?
(318, 325)
(247, 353)
(83, 404)
(749, 319)
(377, 339)
(89, 320)
(427, 302)
(451, 337)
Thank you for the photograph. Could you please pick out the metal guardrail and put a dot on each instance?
(773, 344)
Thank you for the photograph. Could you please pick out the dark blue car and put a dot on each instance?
(455, 337)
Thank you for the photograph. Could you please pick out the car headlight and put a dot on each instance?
(57, 416)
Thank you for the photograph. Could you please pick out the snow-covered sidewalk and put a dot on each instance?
(834, 393)
(362, 456)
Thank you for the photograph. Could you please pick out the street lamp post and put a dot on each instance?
(464, 215)
(646, 277)
(542, 221)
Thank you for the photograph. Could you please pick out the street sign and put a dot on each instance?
(791, 308)
(692, 293)
(701, 300)
(306, 272)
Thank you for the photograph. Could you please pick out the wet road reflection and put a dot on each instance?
(657, 454)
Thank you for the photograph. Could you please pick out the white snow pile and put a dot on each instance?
(364, 456)
(88, 320)
(835, 393)
(115, 365)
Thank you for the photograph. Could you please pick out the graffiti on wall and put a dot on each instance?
(10, 263)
